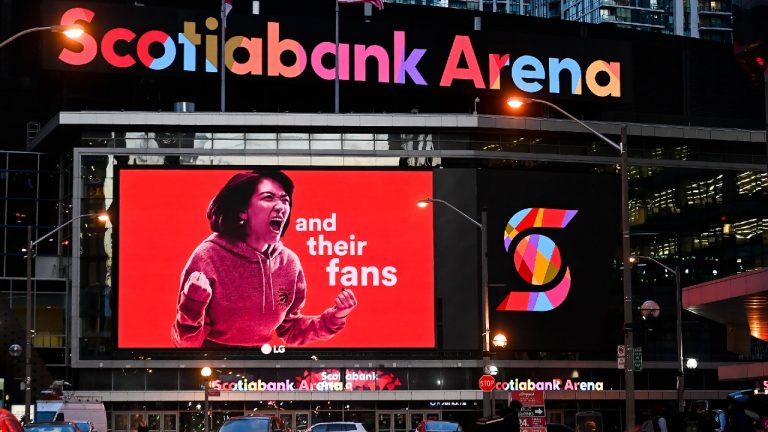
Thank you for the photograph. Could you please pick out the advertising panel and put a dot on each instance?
(552, 244)
(237, 258)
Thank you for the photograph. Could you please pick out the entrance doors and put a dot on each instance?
(297, 421)
(156, 421)
(402, 421)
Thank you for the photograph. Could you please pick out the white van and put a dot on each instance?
(73, 409)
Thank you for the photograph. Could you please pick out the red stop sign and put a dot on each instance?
(487, 382)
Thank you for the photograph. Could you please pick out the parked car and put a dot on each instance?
(337, 427)
(9, 422)
(55, 426)
(257, 423)
(84, 425)
(438, 426)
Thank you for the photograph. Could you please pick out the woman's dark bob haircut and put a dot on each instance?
(234, 198)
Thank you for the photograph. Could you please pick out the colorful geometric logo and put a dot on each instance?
(537, 259)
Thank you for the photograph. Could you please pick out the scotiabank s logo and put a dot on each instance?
(537, 259)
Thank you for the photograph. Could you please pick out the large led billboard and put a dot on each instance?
(553, 240)
(301, 258)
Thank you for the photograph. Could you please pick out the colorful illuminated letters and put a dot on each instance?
(123, 48)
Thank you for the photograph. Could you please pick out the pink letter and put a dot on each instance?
(362, 53)
(108, 47)
(90, 47)
(329, 73)
(462, 45)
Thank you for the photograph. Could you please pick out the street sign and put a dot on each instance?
(486, 383)
(532, 415)
(637, 358)
(621, 351)
(620, 362)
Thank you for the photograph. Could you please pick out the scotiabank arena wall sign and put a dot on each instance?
(386, 50)
(300, 258)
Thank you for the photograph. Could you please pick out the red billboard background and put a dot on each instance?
(161, 220)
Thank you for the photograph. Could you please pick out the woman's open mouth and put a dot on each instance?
(276, 225)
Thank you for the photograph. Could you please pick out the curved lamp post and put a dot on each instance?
(72, 31)
(679, 327)
(629, 376)
(488, 408)
(29, 331)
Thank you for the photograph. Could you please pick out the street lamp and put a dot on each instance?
(72, 31)
(488, 408)
(28, 352)
(499, 341)
(206, 373)
(629, 376)
(679, 328)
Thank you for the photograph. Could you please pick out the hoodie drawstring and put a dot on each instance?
(271, 287)
(263, 282)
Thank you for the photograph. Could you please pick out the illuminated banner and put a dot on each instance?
(270, 48)
(301, 258)
(556, 384)
(314, 380)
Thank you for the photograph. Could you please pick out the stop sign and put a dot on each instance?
(487, 382)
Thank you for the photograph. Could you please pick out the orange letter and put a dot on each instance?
(613, 69)
(275, 47)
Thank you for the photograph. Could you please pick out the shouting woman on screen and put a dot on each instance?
(241, 284)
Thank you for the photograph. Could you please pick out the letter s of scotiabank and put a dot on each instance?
(90, 47)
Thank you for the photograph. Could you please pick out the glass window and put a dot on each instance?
(22, 184)
(162, 379)
(293, 140)
(95, 379)
(128, 379)
(21, 211)
(49, 185)
(23, 161)
(48, 212)
(358, 141)
(228, 141)
(321, 141)
(261, 141)
(169, 422)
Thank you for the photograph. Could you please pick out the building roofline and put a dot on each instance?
(142, 119)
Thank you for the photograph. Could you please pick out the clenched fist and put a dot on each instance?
(198, 288)
(194, 299)
(345, 302)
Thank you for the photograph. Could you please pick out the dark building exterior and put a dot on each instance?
(420, 94)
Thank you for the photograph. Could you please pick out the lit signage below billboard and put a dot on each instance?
(556, 384)
(236, 258)
(317, 380)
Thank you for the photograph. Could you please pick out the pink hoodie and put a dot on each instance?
(254, 294)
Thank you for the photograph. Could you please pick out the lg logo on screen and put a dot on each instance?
(537, 259)
(268, 349)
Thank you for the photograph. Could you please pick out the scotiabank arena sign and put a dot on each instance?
(385, 52)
